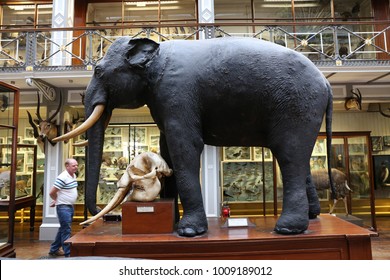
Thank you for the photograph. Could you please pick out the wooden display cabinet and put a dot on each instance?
(8, 130)
(25, 182)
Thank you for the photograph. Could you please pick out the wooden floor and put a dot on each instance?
(28, 246)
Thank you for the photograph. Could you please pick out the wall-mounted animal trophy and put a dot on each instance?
(3, 103)
(140, 182)
(354, 102)
(44, 129)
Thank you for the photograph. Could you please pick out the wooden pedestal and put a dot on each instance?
(154, 217)
(327, 238)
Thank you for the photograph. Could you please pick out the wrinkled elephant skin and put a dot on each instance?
(221, 92)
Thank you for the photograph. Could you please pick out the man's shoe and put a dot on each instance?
(58, 253)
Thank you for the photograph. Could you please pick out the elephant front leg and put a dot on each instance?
(184, 153)
(194, 221)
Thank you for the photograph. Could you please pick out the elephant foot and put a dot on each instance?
(192, 225)
(292, 224)
(314, 210)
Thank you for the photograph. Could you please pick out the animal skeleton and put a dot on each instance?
(140, 182)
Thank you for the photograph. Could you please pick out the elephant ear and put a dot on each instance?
(140, 52)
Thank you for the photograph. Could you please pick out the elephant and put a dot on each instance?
(219, 92)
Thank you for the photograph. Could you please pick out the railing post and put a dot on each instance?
(206, 15)
(31, 45)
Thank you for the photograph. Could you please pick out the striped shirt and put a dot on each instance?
(68, 188)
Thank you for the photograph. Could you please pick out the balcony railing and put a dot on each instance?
(81, 48)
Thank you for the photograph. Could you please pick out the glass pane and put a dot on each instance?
(381, 175)
(18, 15)
(141, 11)
(277, 10)
(233, 10)
(358, 165)
(338, 154)
(44, 15)
(353, 10)
(183, 10)
(98, 13)
(242, 181)
(312, 10)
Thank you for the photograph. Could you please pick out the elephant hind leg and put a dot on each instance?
(296, 186)
(314, 203)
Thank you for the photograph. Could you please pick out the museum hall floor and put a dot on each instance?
(28, 247)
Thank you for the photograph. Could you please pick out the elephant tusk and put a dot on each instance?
(150, 175)
(81, 144)
(96, 114)
(115, 201)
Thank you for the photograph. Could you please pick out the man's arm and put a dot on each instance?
(53, 194)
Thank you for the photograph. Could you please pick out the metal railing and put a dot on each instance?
(59, 49)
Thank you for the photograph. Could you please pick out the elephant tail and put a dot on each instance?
(328, 124)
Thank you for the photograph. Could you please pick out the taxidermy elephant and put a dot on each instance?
(221, 92)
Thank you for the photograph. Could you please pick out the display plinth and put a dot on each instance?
(327, 238)
(153, 217)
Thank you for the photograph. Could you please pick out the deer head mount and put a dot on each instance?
(355, 101)
(45, 129)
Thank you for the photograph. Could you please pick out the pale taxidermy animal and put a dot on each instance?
(140, 182)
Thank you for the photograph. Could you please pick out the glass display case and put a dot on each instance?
(9, 109)
(352, 155)
(122, 142)
(247, 180)
(252, 184)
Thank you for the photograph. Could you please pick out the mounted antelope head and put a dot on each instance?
(354, 102)
(45, 129)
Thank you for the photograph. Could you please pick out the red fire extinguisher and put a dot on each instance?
(225, 211)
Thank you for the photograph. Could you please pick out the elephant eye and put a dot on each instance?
(98, 71)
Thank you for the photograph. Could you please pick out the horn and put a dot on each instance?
(96, 114)
(58, 109)
(38, 108)
(383, 113)
(30, 120)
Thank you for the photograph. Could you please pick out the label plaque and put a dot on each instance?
(145, 209)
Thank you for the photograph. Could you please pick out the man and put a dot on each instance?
(64, 195)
